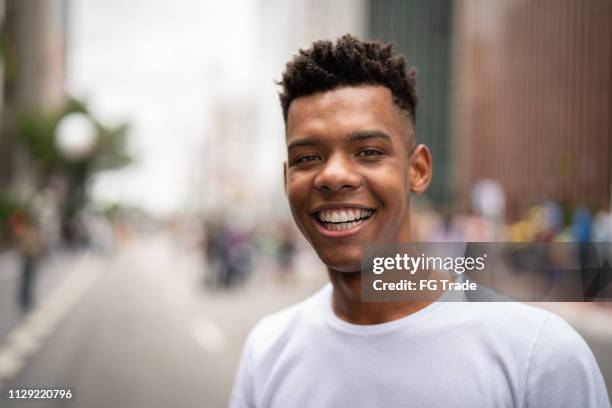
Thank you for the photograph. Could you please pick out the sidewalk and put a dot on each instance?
(50, 272)
(8, 265)
(9, 279)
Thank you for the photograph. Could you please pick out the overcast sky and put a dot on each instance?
(158, 64)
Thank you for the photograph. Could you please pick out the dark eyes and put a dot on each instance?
(369, 153)
(365, 153)
(306, 158)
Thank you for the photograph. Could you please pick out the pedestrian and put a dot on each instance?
(285, 253)
(29, 246)
(353, 162)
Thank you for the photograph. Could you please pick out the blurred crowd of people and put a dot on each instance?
(233, 251)
(543, 225)
(546, 222)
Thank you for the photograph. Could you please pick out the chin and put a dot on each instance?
(347, 264)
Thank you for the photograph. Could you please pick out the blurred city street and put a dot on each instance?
(139, 329)
(140, 332)
(144, 217)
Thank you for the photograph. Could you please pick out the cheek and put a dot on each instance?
(297, 195)
(389, 186)
(297, 191)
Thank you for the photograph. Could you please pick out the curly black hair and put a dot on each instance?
(349, 62)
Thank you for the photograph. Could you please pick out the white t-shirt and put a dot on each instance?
(445, 355)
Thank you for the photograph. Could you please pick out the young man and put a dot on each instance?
(349, 110)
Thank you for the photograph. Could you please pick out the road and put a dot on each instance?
(51, 270)
(137, 329)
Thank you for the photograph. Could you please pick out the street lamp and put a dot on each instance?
(76, 136)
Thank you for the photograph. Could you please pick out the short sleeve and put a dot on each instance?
(242, 391)
(562, 370)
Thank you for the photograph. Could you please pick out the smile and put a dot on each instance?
(340, 222)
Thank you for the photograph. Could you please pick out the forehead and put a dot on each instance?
(344, 110)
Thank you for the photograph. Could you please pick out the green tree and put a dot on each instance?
(36, 132)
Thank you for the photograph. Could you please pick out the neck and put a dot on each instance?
(347, 304)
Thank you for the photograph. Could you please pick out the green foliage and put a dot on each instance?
(110, 150)
(36, 131)
(8, 205)
(112, 211)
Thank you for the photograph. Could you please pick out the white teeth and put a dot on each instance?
(341, 226)
(351, 215)
(343, 215)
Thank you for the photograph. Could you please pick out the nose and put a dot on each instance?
(337, 174)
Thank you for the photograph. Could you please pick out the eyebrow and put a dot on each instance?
(369, 134)
(307, 141)
(354, 136)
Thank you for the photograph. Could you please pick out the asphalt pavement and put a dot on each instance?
(139, 329)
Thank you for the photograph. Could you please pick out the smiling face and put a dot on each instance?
(352, 163)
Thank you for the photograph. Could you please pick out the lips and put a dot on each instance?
(342, 221)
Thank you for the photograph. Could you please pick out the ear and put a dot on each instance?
(420, 169)
(285, 177)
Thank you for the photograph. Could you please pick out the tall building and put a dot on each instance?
(2, 58)
(423, 32)
(534, 99)
(34, 34)
(518, 91)
(228, 156)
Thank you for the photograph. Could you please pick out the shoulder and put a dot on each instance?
(533, 331)
(558, 337)
(510, 320)
(560, 350)
(546, 332)
(553, 364)
(562, 369)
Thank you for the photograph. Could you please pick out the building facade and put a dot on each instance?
(516, 91)
(34, 47)
(533, 103)
(423, 32)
